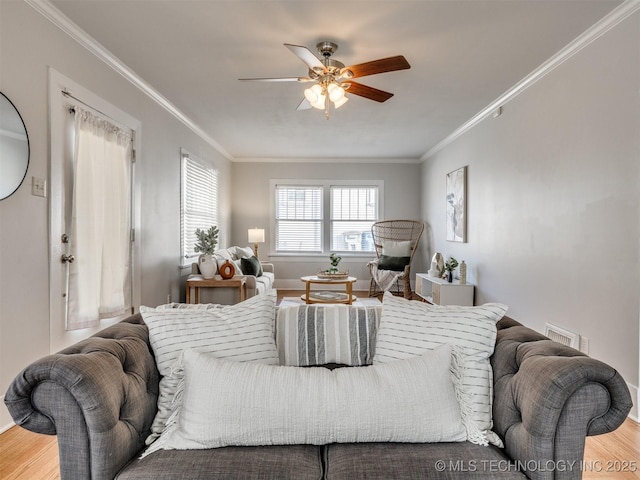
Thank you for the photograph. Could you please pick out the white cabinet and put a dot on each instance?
(440, 292)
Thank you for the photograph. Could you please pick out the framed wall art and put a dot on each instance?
(457, 205)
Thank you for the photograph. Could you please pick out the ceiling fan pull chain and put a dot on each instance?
(326, 103)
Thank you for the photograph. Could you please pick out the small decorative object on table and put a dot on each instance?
(206, 244)
(437, 265)
(335, 260)
(328, 275)
(227, 270)
(333, 271)
(463, 273)
(450, 266)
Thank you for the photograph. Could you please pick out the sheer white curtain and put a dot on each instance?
(99, 278)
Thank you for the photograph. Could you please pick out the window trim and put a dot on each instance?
(326, 185)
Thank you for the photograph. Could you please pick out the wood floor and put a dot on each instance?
(30, 456)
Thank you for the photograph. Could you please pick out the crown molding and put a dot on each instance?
(609, 21)
(60, 20)
(326, 160)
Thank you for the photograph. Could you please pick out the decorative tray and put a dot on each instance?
(332, 276)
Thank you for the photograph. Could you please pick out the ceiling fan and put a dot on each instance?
(332, 80)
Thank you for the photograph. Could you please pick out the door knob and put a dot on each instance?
(67, 258)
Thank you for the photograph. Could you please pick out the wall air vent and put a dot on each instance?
(560, 335)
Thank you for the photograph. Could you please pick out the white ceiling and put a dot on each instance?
(463, 56)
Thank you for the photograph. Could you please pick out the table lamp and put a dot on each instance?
(256, 236)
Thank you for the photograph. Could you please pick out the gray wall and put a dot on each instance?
(28, 45)
(250, 207)
(553, 200)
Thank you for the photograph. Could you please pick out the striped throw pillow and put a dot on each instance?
(241, 332)
(409, 328)
(320, 334)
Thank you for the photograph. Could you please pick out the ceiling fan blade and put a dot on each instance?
(383, 65)
(304, 105)
(304, 54)
(279, 79)
(368, 92)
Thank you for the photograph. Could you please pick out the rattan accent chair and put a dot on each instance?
(388, 231)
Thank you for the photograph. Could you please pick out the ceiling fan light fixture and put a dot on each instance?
(320, 103)
(337, 104)
(331, 78)
(336, 92)
(313, 94)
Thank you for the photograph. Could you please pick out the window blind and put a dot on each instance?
(199, 204)
(353, 211)
(298, 218)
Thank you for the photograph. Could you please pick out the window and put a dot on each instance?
(353, 211)
(298, 218)
(301, 225)
(199, 203)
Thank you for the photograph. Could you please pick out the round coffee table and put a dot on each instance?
(328, 296)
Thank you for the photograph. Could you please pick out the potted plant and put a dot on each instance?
(334, 259)
(206, 245)
(450, 266)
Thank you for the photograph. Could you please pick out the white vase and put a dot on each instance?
(208, 266)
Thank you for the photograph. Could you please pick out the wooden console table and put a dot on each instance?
(198, 282)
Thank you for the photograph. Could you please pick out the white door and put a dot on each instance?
(78, 238)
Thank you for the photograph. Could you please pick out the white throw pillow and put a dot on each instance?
(241, 332)
(230, 403)
(409, 328)
(394, 248)
(244, 252)
(222, 256)
(188, 306)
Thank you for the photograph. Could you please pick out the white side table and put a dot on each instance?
(440, 292)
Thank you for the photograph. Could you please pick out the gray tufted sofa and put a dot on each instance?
(99, 396)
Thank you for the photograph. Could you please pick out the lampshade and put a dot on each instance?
(314, 95)
(336, 92)
(341, 102)
(256, 235)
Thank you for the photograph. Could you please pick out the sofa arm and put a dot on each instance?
(251, 285)
(268, 267)
(548, 398)
(98, 396)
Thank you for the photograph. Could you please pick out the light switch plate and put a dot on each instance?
(38, 187)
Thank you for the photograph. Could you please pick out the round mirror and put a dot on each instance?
(14, 148)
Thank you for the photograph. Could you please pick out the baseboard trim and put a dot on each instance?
(4, 428)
